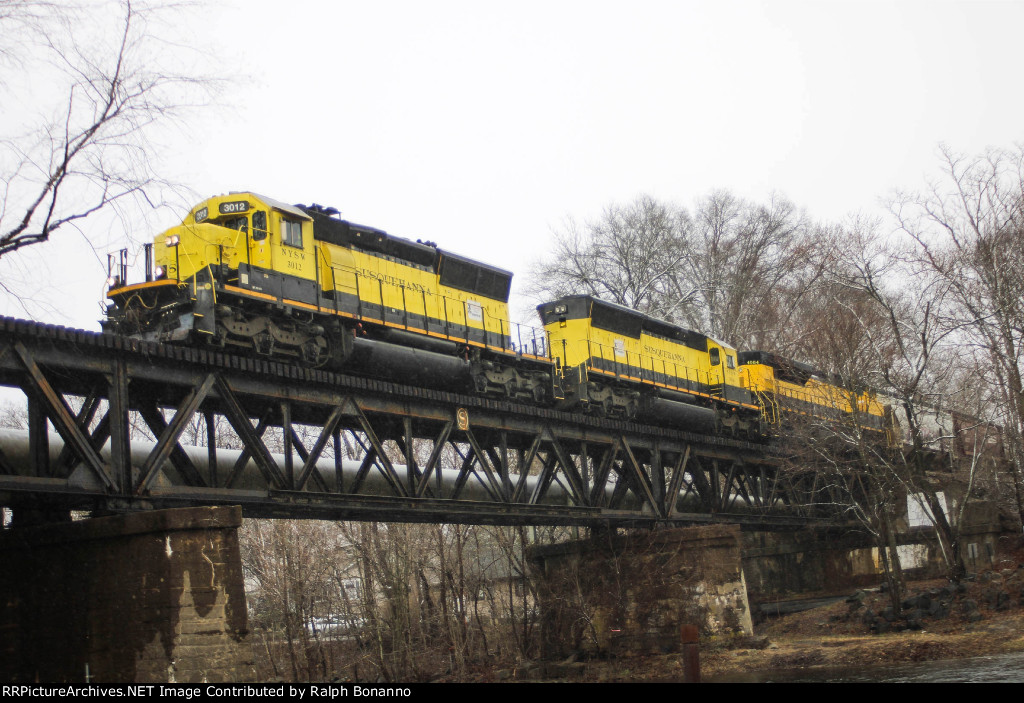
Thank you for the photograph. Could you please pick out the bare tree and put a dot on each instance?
(969, 230)
(628, 256)
(837, 464)
(741, 268)
(913, 346)
(110, 80)
(734, 269)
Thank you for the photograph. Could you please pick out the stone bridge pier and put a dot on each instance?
(635, 593)
(143, 597)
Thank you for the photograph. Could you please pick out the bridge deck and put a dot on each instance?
(346, 447)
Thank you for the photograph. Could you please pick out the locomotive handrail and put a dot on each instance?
(535, 343)
(684, 375)
(544, 350)
(219, 247)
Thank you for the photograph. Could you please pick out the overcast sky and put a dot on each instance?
(482, 126)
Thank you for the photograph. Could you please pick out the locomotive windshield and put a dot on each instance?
(239, 223)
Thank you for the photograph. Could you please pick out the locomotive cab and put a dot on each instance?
(237, 231)
(234, 244)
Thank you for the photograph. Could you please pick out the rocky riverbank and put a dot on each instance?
(937, 621)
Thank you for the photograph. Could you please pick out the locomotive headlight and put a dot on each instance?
(559, 309)
(111, 282)
(159, 272)
(172, 241)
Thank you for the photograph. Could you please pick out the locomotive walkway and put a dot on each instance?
(399, 453)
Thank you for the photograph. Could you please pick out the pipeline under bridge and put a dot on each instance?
(350, 447)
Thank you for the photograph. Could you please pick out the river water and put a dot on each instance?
(999, 668)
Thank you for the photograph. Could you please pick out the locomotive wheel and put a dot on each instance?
(263, 343)
(539, 394)
(315, 352)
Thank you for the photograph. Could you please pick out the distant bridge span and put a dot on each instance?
(417, 455)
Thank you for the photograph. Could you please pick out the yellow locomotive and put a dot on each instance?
(248, 272)
(616, 361)
(782, 386)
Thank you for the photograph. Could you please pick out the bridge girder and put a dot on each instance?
(416, 455)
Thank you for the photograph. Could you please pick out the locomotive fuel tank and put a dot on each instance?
(410, 365)
(691, 418)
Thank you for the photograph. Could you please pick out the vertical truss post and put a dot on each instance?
(286, 432)
(585, 470)
(38, 438)
(658, 478)
(338, 460)
(211, 446)
(411, 470)
(120, 440)
(6, 467)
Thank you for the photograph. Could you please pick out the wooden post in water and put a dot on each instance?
(691, 654)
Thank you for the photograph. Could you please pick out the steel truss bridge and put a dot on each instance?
(372, 449)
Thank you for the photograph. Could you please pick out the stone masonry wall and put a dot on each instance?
(144, 597)
(805, 563)
(631, 594)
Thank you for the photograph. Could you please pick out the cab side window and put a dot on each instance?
(259, 225)
(716, 358)
(291, 233)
